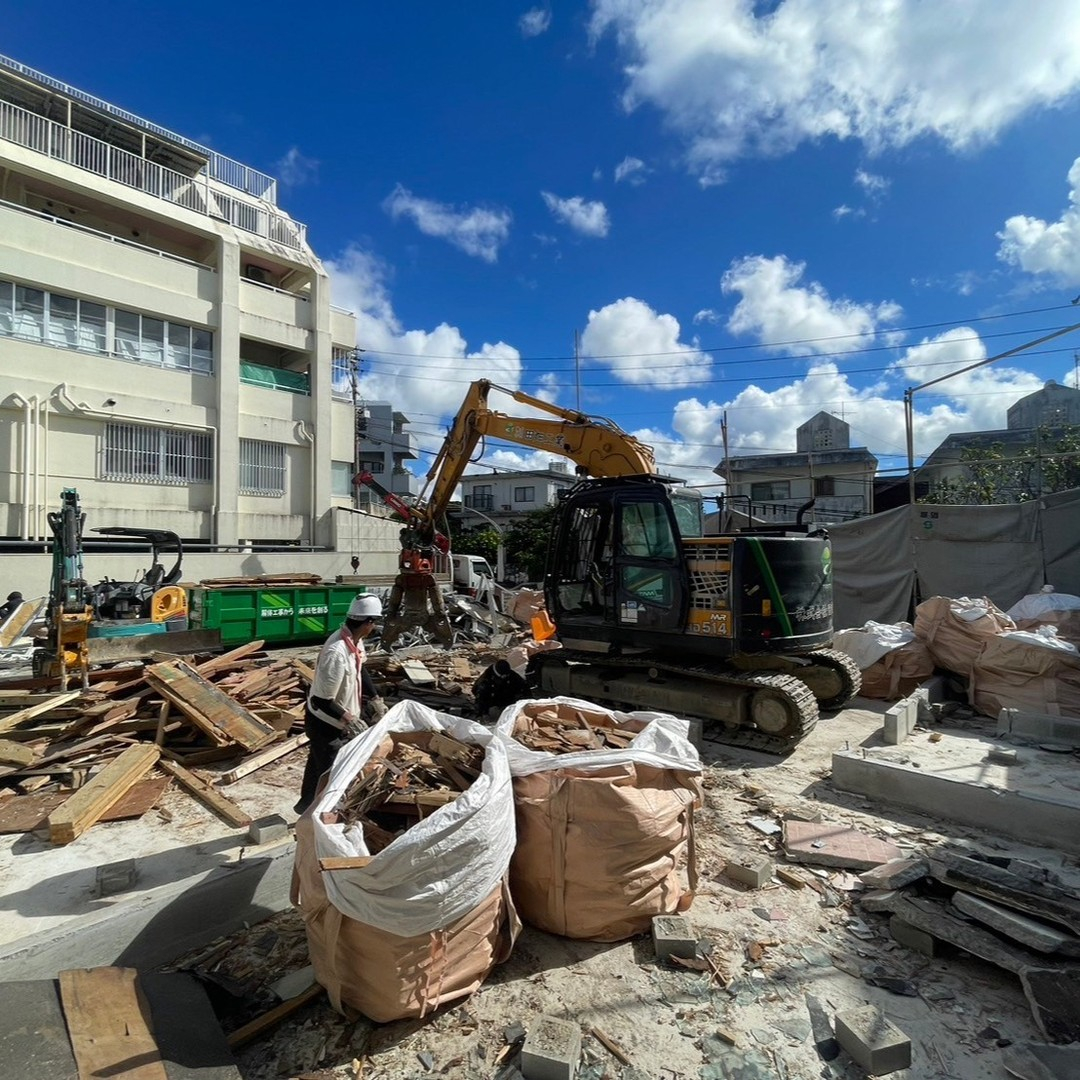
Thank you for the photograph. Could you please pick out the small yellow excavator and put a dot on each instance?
(651, 614)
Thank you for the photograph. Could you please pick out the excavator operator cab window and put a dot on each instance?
(649, 590)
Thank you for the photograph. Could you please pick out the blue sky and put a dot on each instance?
(765, 209)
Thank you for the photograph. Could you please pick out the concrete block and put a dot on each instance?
(673, 935)
(551, 1050)
(117, 877)
(912, 936)
(900, 721)
(1039, 727)
(269, 829)
(1029, 816)
(751, 869)
(876, 1045)
(1035, 935)
(1000, 755)
(895, 874)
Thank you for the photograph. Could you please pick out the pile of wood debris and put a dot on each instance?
(71, 759)
(564, 729)
(409, 775)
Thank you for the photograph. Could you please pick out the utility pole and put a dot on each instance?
(354, 381)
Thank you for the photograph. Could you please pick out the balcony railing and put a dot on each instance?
(62, 143)
(480, 502)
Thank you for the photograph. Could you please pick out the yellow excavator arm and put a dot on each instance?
(598, 446)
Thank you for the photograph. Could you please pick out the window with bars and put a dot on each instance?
(69, 322)
(155, 455)
(262, 467)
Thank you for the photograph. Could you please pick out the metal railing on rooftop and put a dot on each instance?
(242, 177)
(62, 143)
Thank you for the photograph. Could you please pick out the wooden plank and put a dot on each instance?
(256, 1027)
(108, 1021)
(207, 795)
(20, 717)
(208, 706)
(105, 790)
(227, 660)
(418, 673)
(29, 813)
(344, 862)
(263, 757)
(15, 753)
(421, 798)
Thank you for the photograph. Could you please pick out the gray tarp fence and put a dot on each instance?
(881, 563)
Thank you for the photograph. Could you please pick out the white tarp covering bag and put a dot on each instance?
(602, 833)
(423, 921)
(892, 661)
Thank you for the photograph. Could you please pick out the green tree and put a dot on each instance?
(1050, 462)
(483, 542)
(526, 543)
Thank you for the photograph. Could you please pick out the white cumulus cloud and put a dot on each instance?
(585, 217)
(477, 231)
(776, 307)
(631, 169)
(1041, 247)
(642, 347)
(740, 78)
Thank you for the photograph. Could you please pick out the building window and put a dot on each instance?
(341, 479)
(770, 490)
(524, 494)
(155, 455)
(824, 485)
(262, 467)
(68, 322)
(372, 465)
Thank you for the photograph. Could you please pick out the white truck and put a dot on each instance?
(472, 575)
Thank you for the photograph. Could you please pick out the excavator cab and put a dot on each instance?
(134, 599)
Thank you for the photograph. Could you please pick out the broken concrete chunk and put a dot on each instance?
(895, 874)
(267, 829)
(673, 935)
(552, 1049)
(825, 844)
(824, 1040)
(1035, 935)
(1054, 996)
(1033, 1061)
(911, 936)
(876, 1044)
(750, 869)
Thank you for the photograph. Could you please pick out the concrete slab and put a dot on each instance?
(195, 878)
(829, 844)
(1036, 800)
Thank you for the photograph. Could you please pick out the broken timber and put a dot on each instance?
(208, 707)
(106, 789)
(207, 794)
(263, 757)
(42, 707)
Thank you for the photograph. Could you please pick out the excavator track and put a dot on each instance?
(845, 671)
(777, 712)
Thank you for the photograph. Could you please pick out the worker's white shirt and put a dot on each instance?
(337, 675)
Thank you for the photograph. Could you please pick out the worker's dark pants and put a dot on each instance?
(323, 742)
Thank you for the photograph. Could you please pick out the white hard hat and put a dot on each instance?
(365, 606)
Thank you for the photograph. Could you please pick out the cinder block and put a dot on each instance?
(552, 1049)
(673, 935)
(899, 721)
(264, 830)
(1002, 755)
(116, 877)
(751, 869)
(876, 1045)
(911, 936)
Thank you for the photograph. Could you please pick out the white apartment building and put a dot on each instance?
(167, 342)
(383, 446)
(503, 496)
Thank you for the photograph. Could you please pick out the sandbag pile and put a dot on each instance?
(605, 806)
(892, 660)
(1006, 667)
(401, 865)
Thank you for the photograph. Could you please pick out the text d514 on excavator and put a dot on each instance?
(651, 614)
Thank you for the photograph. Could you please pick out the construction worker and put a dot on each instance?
(339, 691)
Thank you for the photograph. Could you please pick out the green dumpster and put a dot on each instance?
(279, 616)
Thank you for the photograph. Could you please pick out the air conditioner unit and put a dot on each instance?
(507, 506)
(257, 273)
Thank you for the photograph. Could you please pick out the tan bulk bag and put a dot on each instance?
(422, 922)
(954, 630)
(602, 833)
(898, 673)
(1013, 673)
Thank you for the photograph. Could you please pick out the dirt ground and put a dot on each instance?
(773, 946)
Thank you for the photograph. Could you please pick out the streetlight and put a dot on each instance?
(909, 394)
(500, 554)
